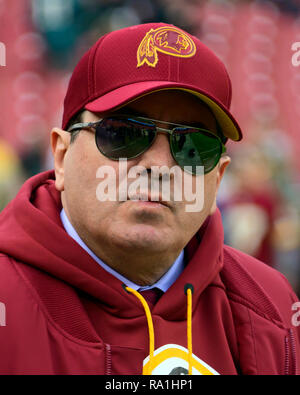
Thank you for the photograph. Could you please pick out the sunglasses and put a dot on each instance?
(128, 137)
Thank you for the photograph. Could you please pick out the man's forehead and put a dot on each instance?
(177, 105)
(170, 98)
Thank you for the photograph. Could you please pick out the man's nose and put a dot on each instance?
(159, 154)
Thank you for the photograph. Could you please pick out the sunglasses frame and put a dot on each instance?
(170, 132)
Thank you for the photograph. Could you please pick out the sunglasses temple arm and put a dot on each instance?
(79, 126)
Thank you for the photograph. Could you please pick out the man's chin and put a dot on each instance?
(143, 237)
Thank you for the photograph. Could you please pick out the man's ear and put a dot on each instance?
(60, 142)
(223, 163)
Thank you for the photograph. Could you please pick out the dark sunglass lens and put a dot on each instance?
(124, 138)
(194, 148)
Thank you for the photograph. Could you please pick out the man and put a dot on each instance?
(74, 266)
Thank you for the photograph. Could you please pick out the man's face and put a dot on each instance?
(133, 229)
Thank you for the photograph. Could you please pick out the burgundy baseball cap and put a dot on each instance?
(129, 63)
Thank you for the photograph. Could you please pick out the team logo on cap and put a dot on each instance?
(168, 40)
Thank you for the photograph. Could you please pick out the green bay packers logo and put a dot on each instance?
(172, 359)
(168, 40)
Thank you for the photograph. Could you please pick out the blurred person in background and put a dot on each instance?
(253, 206)
(69, 26)
(289, 6)
(258, 189)
(11, 173)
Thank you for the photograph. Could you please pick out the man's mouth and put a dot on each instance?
(150, 200)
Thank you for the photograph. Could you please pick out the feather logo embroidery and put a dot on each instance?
(168, 40)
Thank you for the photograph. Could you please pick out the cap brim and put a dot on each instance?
(125, 94)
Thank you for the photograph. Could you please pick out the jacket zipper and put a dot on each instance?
(287, 357)
(293, 349)
(290, 355)
(108, 359)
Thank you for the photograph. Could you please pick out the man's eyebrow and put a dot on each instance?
(131, 111)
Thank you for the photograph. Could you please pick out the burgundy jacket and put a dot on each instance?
(61, 313)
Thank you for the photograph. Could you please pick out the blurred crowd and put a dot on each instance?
(259, 198)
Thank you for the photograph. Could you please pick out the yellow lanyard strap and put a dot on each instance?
(188, 289)
(150, 328)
